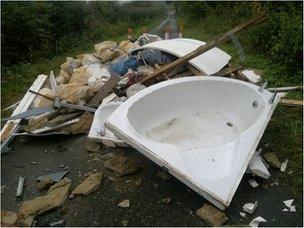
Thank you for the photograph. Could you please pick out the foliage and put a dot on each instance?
(279, 38)
(35, 30)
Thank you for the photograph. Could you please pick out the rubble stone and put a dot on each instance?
(92, 146)
(124, 203)
(89, 185)
(166, 200)
(45, 183)
(82, 126)
(8, 217)
(74, 92)
(70, 65)
(272, 160)
(55, 197)
(211, 215)
(122, 165)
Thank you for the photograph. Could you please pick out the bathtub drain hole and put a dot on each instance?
(229, 124)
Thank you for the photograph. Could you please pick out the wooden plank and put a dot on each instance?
(53, 84)
(290, 102)
(24, 104)
(202, 49)
(227, 70)
(195, 71)
(104, 91)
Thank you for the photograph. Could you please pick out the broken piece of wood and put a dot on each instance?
(202, 49)
(227, 70)
(290, 102)
(104, 91)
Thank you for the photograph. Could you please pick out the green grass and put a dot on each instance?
(284, 134)
(18, 78)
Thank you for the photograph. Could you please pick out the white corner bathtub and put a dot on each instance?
(203, 130)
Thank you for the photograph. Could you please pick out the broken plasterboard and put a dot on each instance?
(209, 62)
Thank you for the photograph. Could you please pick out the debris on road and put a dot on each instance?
(211, 215)
(20, 187)
(256, 221)
(250, 207)
(124, 203)
(8, 218)
(56, 177)
(55, 197)
(122, 165)
(284, 166)
(166, 200)
(273, 160)
(253, 183)
(45, 183)
(89, 185)
(58, 223)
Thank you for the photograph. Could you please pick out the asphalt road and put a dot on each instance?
(100, 208)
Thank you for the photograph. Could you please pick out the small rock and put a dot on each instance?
(122, 165)
(211, 215)
(284, 166)
(8, 218)
(48, 170)
(163, 175)
(273, 160)
(58, 223)
(61, 166)
(34, 163)
(107, 156)
(111, 178)
(256, 221)
(166, 200)
(253, 183)
(242, 214)
(92, 146)
(250, 207)
(45, 183)
(124, 222)
(155, 185)
(55, 197)
(124, 203)
(89, 185)
(138, 181)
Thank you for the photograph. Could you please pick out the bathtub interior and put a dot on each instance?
(206, 114)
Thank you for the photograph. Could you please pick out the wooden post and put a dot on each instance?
(202, 49)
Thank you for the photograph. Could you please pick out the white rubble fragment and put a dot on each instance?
(292, 209)
(258, 166)
(284, 166)
(253, 183)
(250, 207)
(242, 214)
(288, 203)
(252, 76)
(124, 203)
(256, 221)
(285, 209)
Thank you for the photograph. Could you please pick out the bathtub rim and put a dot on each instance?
(205, 192)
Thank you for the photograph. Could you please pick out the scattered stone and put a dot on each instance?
(128, 181)
(256, 221)
(250, 207)
(288, 203)
(163, 175)
(242, 214)
(292, 209)
(61, 166)
(122, 165)
(138, 181)
(111, 178)
(8, 218)
(124, 222)
(45, 183)
(34, 163)
(58, 223)
(48, 170)
(166, 200)
(92, 146)
(55, 197)
(253, 183)
(124, 203)
(284, 166)
(211, 215)
(89, 185)
(273, 160)
(285, 209)
(155, 185)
